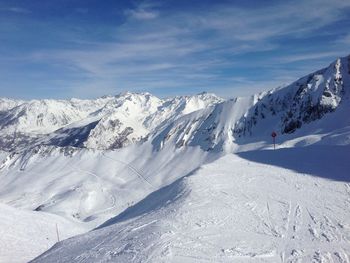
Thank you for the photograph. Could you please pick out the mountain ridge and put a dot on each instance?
(113, 122)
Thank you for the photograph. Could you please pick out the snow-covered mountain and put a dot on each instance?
(115, 122)
(106, 123)
(306, 100)
(7, 104)
(144, 159)
(285, 110)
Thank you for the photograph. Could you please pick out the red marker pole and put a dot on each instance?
(273, 135)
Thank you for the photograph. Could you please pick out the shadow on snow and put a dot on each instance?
(155, 201)
(326, 161)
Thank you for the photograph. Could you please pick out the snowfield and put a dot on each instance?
(233, 210)
(26, 234)
(135, 178)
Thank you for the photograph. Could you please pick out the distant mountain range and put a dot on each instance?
(113, 122)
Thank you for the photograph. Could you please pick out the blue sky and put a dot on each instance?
(90, 48)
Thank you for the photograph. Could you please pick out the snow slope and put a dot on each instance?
(90, 186)
(25, 234)
(210, 128)
(236, 209)
(7, 104)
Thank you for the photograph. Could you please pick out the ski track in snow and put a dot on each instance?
(131, 168)
(110, 194)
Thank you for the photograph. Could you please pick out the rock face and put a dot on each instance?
(306, 100)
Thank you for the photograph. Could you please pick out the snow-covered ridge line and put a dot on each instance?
(109, 122)
(205, 120)
(304, 105)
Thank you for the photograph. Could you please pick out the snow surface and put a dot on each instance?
(91, 186)
(26, 234)
(251, 206)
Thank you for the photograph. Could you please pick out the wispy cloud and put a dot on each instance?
(201, 48)
(144, 11)
(308, 56)
(13, 9)
(344, 40)
(141, 14)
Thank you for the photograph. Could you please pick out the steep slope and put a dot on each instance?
(122, 121)
(304, 101)
(232, 210)
(211, 128)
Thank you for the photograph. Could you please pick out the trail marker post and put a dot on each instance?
(273, 135)
(57, 233)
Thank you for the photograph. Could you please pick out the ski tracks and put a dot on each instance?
(294, 222)
(83, 194)
(311, 237)
(131, 168)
